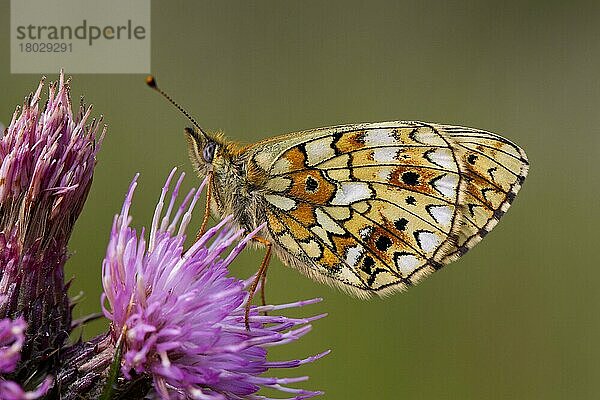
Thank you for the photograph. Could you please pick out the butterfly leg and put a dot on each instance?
(260, 277)
(207, 207)
(263, 282)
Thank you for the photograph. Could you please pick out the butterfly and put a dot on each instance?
(369, 208)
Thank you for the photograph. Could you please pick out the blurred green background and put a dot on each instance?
(517, 317)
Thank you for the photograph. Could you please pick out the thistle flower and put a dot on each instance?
(47, 158)
(12, 338)
(46, 164)
(183, 317)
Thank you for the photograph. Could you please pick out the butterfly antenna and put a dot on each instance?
(150, 81)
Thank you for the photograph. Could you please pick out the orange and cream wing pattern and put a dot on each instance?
(373, 208)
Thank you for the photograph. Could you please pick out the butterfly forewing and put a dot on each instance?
(372, 208)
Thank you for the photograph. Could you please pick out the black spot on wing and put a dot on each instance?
(510, 197)
(498, 213)
(410, 178)
(383, 243)
(311, 184)
(368, 264)
(401, 223)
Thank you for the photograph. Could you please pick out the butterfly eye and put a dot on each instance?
(209, 151)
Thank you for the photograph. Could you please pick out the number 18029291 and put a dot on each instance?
(34, 47)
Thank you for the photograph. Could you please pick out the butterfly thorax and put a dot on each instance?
(235, 183)
(234, 194)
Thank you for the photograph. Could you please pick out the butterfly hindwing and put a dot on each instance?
(373, 208)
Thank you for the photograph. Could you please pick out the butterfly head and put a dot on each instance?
(206, 151)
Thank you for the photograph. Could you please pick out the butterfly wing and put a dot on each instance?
(373, 208)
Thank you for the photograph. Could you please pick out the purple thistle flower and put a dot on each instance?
(46, 164)
(183, 317)
(12, 338)
(47, 158)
